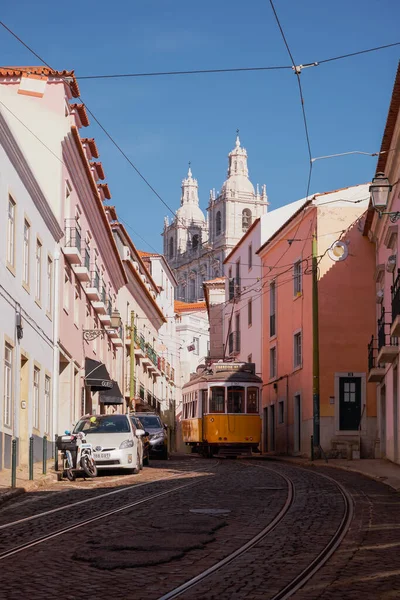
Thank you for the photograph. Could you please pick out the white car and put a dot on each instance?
(116, 442)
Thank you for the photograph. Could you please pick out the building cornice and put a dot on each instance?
(20, 164)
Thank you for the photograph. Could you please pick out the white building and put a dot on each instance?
(168, 344)
(28, 310)
(196, 247)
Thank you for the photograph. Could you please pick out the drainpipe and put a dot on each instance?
(132, 362)
(56, 349)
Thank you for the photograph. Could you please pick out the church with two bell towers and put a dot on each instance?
(195, 246)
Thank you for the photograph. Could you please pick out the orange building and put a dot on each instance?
(346, 312)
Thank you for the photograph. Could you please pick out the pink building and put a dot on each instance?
(345, 311)
(382, 230)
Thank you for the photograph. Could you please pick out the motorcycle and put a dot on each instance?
(77, 455)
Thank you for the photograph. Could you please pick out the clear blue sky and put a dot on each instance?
(164, 122)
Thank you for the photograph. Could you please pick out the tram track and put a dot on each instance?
(94, 498)
(300, 579)
(49, 536)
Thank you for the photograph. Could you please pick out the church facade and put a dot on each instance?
(195, 246)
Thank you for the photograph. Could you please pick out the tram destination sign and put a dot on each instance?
(224, 367)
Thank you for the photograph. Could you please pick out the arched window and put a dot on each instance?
(218, 223)
(171, 247)
(192, 289)
(246, 219)
(195, 242)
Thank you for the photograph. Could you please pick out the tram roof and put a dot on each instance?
(224, 377)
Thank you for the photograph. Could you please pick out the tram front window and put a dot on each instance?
(235, 400)
(252, 400)
(217, 402)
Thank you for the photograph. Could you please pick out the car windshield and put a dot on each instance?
(103, 424)
(136, 423)
(151, 422)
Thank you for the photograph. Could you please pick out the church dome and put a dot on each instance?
(238, 183)
(191, 212)
(189, 208)
(238, 174)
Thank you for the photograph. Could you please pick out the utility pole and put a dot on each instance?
(315, 325)
(132, 362)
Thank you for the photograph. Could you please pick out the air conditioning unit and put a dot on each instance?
(391, 263)
(126, 253)
(379, 296)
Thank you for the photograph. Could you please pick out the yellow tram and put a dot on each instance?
(221, 412)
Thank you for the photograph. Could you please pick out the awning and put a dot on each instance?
(112, 395)
(96, 375)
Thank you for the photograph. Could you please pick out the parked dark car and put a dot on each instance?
(157, 433)
(145, 439)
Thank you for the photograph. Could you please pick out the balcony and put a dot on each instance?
(82, 271)
(118, 339)
(234, 343)
(387, 345)
(395, 328)
(140, 349)
(93, 287)
(376, 372)
(106, 318)
(100, 305)
(72, 242)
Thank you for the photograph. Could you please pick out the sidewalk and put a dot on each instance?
(376, 468)
(23, 484)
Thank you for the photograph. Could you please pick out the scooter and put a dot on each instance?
(78, 457)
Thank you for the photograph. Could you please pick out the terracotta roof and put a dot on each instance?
(387, 138)
(216, 280)
(144, 254)
(17, 72)
(106, 190)
(92, 146)
(81, 110)
(99, 168)
(189, 306)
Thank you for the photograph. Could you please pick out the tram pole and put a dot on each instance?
(315, 337)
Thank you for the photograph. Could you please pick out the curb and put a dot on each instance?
(395, 485)
(9, 495)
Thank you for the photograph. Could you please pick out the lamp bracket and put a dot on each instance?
(91, 334)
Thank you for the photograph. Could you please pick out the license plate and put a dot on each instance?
(101, 455)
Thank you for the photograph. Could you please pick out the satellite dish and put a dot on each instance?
(338, 251)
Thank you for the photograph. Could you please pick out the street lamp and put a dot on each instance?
(380, 189)
(115, 319)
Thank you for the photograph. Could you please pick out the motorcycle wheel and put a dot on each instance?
(70, 474)
(89, 466)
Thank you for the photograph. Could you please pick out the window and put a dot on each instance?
(38, 292)
(272, 309)
(36, 396)
(27, 232)
(77, 297)
(47, 405)
(297, 358)
(297, 278)
(49, 286)
(281, 412)
(238, 273)
(11, 232)
(67, 290)
(196, 343)
(252, 400)
(246, 219)
(217, 402)
(237, 332)
(272, 362)
(250, 312)
(195, 242)
(8, 385)
(230, 273)
(235, 399)
(250, 256)
(171, 247)
(218, 223)
(88, 314)
(192, 287)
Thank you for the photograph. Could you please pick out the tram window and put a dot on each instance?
(252, 400)
(204, 397)
(217, 403)
(235, 400)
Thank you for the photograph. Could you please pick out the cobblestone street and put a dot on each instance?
(177, 520)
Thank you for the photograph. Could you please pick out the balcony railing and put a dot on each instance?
(142, 343)
(234, 342)
(73, 235)
(95, 279)
(396, 297)
(384, 337)
(372, 354)
(86, 258)
(109, 306)
(103, 292)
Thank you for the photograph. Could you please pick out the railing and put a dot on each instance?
(141, 392)
(372, 353)
(151, 354)
(95, 279)
(396, 297)
(234, 341)
(73, 235)
(103, 292)
(142, 343)
(109, 306)
(384, 337)
(86, 258)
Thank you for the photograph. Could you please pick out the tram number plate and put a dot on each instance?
(101, 455)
